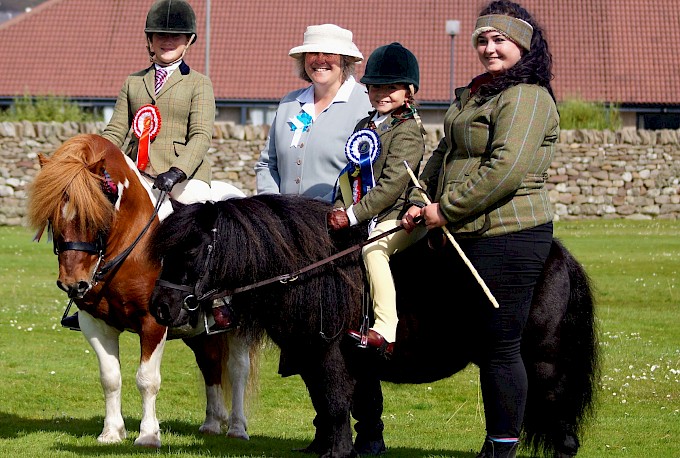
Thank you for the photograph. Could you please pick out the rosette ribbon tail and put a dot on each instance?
(145, 124)
(367, 180)
(144, 143)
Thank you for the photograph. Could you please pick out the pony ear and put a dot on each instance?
(98, 167)
(42, 159)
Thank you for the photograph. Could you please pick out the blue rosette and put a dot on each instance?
(363, 146)
(362, 149)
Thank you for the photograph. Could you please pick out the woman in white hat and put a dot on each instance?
(305, 149)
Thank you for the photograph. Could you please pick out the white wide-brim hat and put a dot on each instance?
(328, 39)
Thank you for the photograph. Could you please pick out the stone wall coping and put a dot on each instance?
(225, 130)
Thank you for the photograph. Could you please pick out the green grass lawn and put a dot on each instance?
(52, 403)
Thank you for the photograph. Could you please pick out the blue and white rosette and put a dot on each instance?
(299, 124)
(362, 149)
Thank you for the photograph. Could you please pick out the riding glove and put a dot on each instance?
(167, 180)
(337, 219)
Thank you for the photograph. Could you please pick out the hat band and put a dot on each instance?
(517, 30)
(327, 47)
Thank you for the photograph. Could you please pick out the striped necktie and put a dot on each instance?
(161, 76)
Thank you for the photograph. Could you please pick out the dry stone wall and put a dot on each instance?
(595, 174)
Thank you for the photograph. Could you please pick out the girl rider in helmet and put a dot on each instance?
(370, 191)
(171, 109)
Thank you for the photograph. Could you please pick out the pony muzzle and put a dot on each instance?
(75, 290)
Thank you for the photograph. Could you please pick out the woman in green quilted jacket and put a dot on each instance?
(487, 182)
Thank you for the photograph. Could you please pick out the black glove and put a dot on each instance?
(337, 219)
(167, 180)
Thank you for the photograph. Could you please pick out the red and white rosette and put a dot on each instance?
(146, 124)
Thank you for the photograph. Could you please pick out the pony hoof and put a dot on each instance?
(111, 437)
(212, 429)
(375, 447)
(149, 441)
(238, 434)
(313, 448)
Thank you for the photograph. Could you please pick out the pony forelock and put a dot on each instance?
(67, 176)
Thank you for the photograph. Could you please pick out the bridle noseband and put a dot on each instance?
(191, 302)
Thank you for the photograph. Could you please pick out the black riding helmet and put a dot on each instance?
(392, 64)
(171, 16)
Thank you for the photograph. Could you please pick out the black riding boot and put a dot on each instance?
(71, 322)
(496, 449)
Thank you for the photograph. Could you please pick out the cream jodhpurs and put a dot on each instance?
(377, 261)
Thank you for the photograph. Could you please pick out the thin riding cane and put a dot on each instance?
(479, 279)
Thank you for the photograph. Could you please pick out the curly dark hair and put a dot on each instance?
(535, 66)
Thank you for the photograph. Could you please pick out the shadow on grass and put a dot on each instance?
(191, 441)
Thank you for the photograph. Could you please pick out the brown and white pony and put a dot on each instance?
(96, 204)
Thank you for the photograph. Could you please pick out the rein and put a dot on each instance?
(118, 260)
(285, 278)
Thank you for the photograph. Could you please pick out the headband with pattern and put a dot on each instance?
(517, 30)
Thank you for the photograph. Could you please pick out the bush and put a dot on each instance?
(579, 114)
(46, 108)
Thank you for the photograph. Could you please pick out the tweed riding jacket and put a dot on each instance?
(401, 140)
(187, 106)
(489, 171)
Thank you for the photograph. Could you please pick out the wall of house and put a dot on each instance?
(624, 174)
(629, 119)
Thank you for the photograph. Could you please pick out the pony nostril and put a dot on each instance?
(158, 311)
(83, 286)
(76, 290)
(61, 286)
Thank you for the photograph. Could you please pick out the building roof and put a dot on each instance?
(603, 50)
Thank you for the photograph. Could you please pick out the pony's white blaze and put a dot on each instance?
(67, 212)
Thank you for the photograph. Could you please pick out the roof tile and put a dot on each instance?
(603, 50)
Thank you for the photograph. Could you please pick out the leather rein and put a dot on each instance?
(194, 292)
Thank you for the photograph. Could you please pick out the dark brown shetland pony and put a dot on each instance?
(92, 198)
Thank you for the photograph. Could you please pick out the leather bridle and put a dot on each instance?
(98, 247)
(195, 297)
